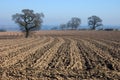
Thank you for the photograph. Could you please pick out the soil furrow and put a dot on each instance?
(113, 51)
(16, 45)
(22, 56)
(48, 55)
(75, 63)
(18, 50)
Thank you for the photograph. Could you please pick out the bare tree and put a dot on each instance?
(74, 23)
(62, 26)
(94, 22)
(28, 20)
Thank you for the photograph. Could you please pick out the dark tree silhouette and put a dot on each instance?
(28, 20)
(54, 28)
(2, 30)
(62, 26)
(94, 22)
(74, 23)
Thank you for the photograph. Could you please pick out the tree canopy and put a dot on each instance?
(74, 23)
(94, 22)
(28, 20)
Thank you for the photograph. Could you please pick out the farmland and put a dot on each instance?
(60, 55)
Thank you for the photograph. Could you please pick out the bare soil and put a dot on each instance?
(60, 55)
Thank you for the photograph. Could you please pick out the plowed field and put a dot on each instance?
(60, 55)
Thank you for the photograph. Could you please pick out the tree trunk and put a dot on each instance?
(27, 34)
(93, 27)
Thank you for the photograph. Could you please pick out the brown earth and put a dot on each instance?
(60, 55)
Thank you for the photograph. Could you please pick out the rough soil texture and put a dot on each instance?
(60, 55)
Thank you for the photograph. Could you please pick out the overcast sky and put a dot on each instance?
(60, 11)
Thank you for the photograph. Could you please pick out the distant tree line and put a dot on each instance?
(30, 21)
(2, 30)
(72, 24)
(75, 22)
